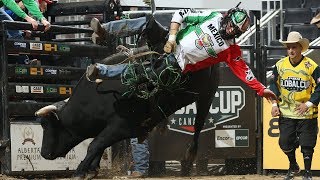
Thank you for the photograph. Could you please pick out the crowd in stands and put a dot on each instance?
(24, 10)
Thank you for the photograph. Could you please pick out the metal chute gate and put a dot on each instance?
(50, 78)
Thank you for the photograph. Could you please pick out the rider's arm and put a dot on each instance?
(174, 27)
(187, 16)
(12, 5)
(33, 8)
(239, 67)
(191, 16)
(183, 15)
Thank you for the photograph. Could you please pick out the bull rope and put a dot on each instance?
(146, 84)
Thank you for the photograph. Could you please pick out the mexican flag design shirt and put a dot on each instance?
(199, 45)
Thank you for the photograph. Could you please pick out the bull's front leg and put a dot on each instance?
(94, 167)
(107, 137)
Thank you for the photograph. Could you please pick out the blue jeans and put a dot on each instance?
(14, 34)
(120, 28)
(140, 154)
(111, 71)
(125, 27)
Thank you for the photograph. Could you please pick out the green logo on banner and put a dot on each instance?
(21, 70)
(242, 137)
(64, 48)
(51, 90)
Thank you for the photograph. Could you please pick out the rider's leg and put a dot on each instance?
(103, 71)
(119, 28)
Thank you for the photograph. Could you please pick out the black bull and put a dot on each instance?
(110, 118)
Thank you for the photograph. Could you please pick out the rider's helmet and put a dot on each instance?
(235, 22)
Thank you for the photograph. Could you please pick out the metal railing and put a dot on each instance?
(13, 104)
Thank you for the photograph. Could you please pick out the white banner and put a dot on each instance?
(26, 141)
(207, 4)
(227, 138)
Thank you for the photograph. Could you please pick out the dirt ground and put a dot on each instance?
(171, 172)
(225, 177)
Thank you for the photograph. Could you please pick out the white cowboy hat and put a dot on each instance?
(316, 20)
(295, 37)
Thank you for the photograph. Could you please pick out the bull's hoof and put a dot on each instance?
(77, 178)
(91, 175)
(186, 168)
(88, 176)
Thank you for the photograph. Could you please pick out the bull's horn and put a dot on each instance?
(45, 110)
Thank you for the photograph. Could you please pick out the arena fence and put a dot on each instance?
(28, 87)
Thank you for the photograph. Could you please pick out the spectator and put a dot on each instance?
(33, 8)
(14, 11)
(296, 82)
(43, 5)
(316, 20)
(140, 155)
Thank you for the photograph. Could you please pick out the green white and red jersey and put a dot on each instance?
(199, 45)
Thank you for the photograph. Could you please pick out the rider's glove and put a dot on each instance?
(171, 44)
(147, 2)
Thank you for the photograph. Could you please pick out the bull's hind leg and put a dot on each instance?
(110, 135)
(203, 105)
(190, 155)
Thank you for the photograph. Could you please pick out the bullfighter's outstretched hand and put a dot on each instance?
(269, 95)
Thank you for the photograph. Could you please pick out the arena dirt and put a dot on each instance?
(226, 177)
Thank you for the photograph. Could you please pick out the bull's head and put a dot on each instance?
(57, 141)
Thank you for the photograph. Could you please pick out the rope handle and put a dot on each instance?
(131, 58)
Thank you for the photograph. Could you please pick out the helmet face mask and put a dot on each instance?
(234, 23)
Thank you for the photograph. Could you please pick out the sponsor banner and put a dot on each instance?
(22, 89)
(20, 44)
(36, 71)
(64, 72)
(273, 156)
(21, 70)
(36, 46)
(51, 89)
(232, 113)
(50, 47)
(228, 102)
(232, 138)
(26, 142)
(64, 48)
(36, 89)
(65, 90)
(50, 71)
